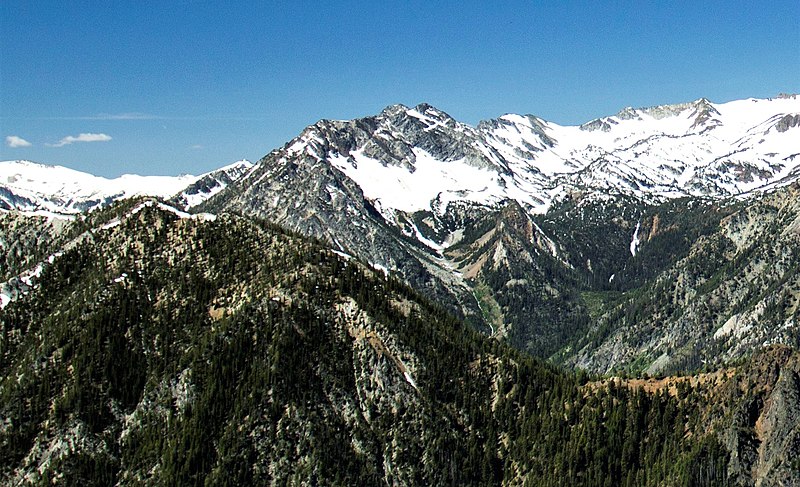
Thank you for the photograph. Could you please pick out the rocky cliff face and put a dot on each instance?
(209, 184)
(764, 432)
(752, 408)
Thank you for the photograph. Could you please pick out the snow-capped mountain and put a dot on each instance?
(406, 160)
(505, 223)
(209, 184)
(444, 204)
(410, 159)
(33, 187)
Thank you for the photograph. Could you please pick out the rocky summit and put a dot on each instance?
(406, 299)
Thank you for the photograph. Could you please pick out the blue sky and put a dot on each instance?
(172, 87)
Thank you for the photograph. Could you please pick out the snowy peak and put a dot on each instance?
(393, 138)
(33, 187)
(704, 113)
(30, 186)
(429, 115)
(698, 114)
(412, 159)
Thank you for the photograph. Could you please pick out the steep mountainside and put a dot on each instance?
(692, 149)
(527, 292)
(735, 290)
(564, 241)
(416, 192)
(163, 348)
(754, 408)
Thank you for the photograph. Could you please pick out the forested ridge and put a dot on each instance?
(163, 350)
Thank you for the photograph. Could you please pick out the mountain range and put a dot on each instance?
(158, 347)
(659, 241)
(37, 188)
(512, 224)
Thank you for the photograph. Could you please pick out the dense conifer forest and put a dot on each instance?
(196, 351)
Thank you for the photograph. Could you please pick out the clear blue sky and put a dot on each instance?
(187, 87)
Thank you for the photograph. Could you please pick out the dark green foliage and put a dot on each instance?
(179, 352)
(597, 234)
(547, 311)
(705, 465)
(674, 227)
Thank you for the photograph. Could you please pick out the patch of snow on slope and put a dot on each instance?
(635, 240)
(183, 214)
(196, 199)
(343, 255)
(403, 189)
(380, 268)
(170, 209)
(173, 210)
(113, 223)
(50, 215)
(221, 178)
(410, 379)
(25, 281)
(423, 239)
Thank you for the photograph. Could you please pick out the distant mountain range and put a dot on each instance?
(31, 187)
(413, 159)
(301, 319)
(522, 227)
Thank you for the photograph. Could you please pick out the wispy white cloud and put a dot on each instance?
(122, 116)
(71, 139)
(14, 142)
(197, 147)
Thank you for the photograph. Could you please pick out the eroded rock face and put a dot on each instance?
(764, 434)
(787, 122)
